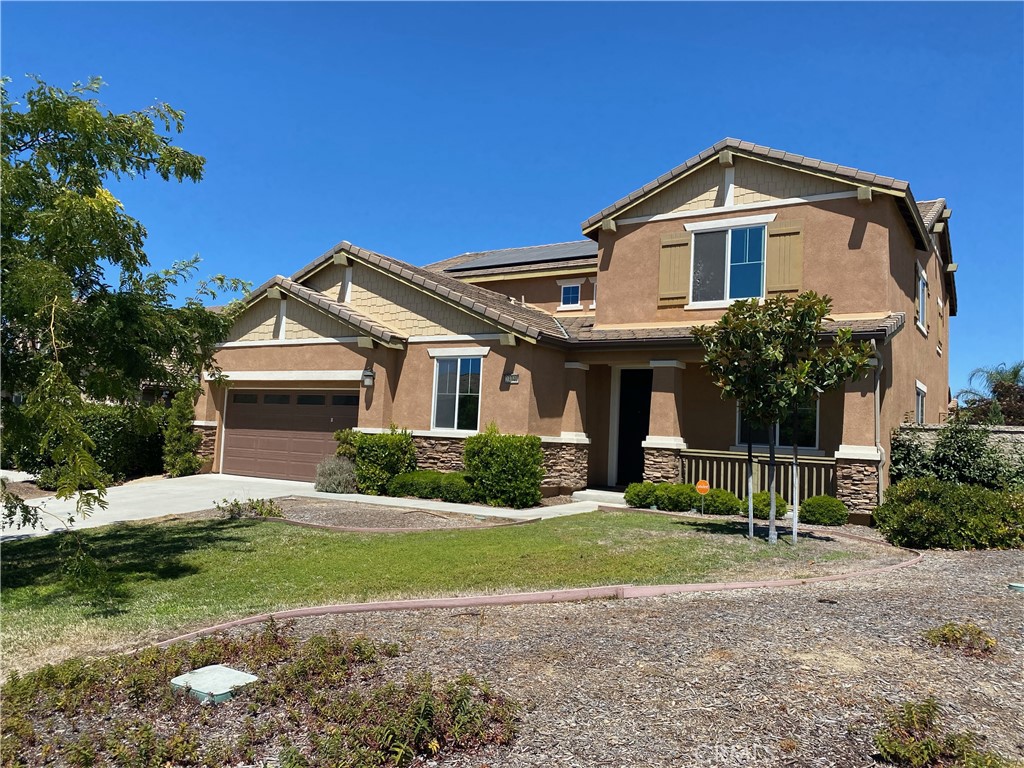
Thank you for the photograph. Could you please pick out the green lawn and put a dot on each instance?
(173, 577)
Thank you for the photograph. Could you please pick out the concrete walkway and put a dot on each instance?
(145, 499)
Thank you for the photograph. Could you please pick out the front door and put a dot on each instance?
(634, 417)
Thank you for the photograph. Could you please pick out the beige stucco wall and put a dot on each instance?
(544, 292)
(846, 256)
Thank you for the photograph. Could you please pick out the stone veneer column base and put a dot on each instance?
(565, 468)
(663, 465)
(207, 446)
(857, 485)
(565, 464)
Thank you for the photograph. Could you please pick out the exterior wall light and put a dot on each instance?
(511, 378)
(368, 377)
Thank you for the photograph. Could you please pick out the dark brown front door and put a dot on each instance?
(634, 417)
(284, 434)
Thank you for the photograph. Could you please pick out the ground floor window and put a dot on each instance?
(457, 393)
(922, 392)
(805, 429)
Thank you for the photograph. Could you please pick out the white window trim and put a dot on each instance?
(808, 450)
(717, 226)
(593, 280)
(920, 401)
(922, 300)
(436, 352)
(455, 431)
(568, 282)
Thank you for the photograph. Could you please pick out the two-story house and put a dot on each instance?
(589, 344)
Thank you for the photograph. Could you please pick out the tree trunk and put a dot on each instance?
(796, 475)
(750, 485)
(773, 535)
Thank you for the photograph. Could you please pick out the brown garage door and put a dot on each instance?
(284, 434)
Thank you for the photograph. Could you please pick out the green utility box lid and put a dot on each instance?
(215, 683)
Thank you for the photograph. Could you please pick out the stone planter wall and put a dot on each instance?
(565, 464)
(663, 465)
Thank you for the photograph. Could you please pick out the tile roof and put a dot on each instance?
(581, 331)
(852, 175)
(495, 307)
(531, 254)
(930, 211)
(542, 267)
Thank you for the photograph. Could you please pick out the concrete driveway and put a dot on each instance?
(145, 499)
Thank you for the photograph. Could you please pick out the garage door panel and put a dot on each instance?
(270, 439)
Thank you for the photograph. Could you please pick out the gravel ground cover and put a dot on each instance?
(797, 676)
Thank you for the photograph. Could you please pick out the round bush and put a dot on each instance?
(926, 513)
(719, 501)
(430, 484)
(676, 497)
(336, 474)
(823, 510)
(641, 495)
(763, 504)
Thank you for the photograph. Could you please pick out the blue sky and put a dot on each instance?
(427, 130)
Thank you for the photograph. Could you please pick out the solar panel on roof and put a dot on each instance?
(534, 254)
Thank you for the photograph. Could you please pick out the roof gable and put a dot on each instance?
(739, 150)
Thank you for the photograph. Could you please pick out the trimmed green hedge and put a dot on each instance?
(641, 495)
(453, 487)
(823, 510)
(506, 469)
(677, 497)
(763, 505)
(926, 513)
(379, 457)
(719, 501)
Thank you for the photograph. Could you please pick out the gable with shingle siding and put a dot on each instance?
(701, 189)
(256, 323)
(758, 182)
(406, 309)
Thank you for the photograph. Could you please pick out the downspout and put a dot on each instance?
(878, 418)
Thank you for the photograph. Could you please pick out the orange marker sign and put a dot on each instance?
(703, 487)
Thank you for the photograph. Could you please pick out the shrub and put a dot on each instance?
(237, 509)
(763, 504)
(347, 443)
(912, 737)
(20, 444)
(676, 497)
(823, 510)
(926, 513)
(49, 480)
(380, 457)
(963, 453)
(129, 439)
(181, 441)
(969, 638)
(429, 484)
(641, 495)
(336, 474)
(719, 501)
(506, 469)
(908, 457)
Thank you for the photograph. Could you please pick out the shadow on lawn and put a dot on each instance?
(126, 552)
(735, 528)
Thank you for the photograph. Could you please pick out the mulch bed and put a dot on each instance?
(797, 676)
(28, 491)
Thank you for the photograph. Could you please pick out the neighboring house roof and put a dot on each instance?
(343, 312)
(581, 331)
(531, 254)
(533, 269)
(497, 308)
(901, 189)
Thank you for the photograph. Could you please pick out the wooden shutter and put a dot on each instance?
(784, 262)
(674, 272)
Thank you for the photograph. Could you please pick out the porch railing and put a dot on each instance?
(728, 469)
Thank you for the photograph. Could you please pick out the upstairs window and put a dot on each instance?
(457, 393)
(570, 295)
(921, 299)
(728, 264)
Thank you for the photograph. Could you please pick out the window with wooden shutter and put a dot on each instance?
(785, 257)
(674, 272)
